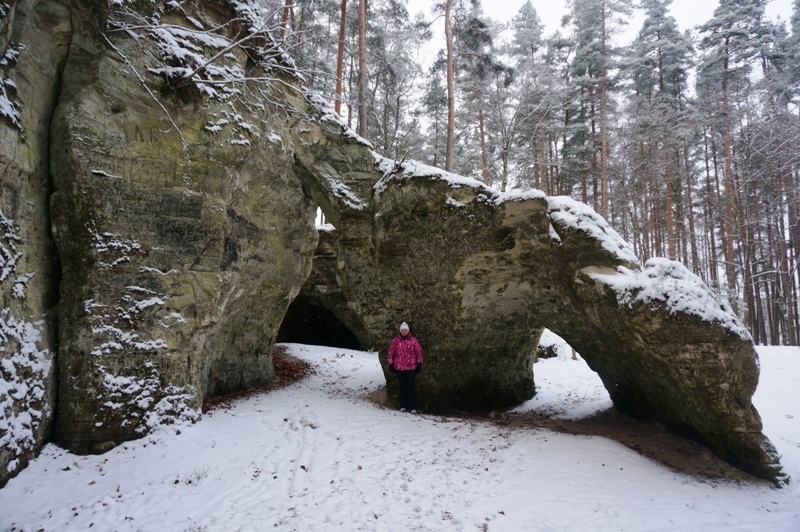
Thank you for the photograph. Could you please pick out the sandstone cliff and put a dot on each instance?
(162, 169)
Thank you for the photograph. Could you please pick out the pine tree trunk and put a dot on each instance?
(712, 254)
(604, 187)
(723, 228)
(484, 154)
(690, 207)
(594, 165)
(669, 229)
(727, 153)
(362, 68)
(792, 258)
(340, 58)
(287, 9)
(451, 95)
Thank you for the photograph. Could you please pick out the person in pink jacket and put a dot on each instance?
(405, 361)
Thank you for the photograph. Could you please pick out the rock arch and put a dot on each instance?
(479, 275)
(167, 242)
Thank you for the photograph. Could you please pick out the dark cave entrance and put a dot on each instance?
(319, 314)
(308, 323)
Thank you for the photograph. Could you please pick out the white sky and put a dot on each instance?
(688, 13)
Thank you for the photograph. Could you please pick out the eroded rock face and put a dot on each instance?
(183, 232)
(34, 37)
(183, 218)
(479, 275)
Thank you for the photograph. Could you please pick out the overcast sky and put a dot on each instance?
(688, 13)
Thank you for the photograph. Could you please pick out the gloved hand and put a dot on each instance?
(391, 368)
(418, 369)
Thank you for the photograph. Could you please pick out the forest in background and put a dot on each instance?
(688, 143)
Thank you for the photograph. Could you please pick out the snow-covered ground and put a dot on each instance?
(318, 455)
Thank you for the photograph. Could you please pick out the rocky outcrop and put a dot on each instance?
(478, 275)
(34, 39)
(185, 165)
(183, 231)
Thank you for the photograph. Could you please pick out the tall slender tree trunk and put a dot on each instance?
(350, 90)
(690, 207)
(727, 147)
(710, 202)
(791, 268)
(536, 161)
(436, 131)
(362, 68)
(451, 91)
(793, 204)
(604, 189)
(723, 229)
(680, 215)
(594, 167)
(287, 10)
(340, 57)
(669, 229)
(484, 153)
(645, 212)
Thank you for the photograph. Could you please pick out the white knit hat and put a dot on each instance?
(404, 325)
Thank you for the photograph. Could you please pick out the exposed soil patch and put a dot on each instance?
(647, 438)
(288, 370)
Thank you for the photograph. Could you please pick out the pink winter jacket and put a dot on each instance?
(404, 353)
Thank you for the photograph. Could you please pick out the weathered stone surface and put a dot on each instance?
(34, 36)
(478, 276)
(183, 233)
(183, 218)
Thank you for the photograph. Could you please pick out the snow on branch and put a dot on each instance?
(209, 59)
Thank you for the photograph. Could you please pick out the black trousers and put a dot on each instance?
(408, 394)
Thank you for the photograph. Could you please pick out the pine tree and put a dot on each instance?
(482, 81)
(533, 115)
(731, 39)
(362, 68)
(658, 69)
(394, 77)
(593, 23)
(451, 89)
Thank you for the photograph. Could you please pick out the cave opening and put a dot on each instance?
(310, 318)
(306, 322)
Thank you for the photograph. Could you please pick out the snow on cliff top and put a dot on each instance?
(566, 211)
(670, 283)
(407, 169)
(661, 281)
